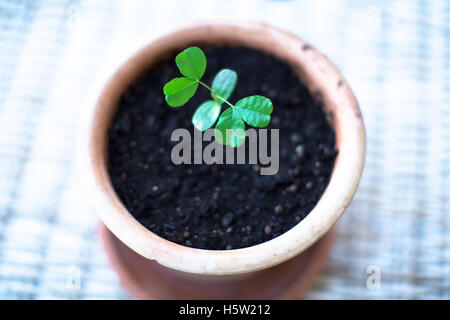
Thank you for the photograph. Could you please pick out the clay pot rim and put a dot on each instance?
(323, 79)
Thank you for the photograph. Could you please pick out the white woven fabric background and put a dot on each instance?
(395, 55)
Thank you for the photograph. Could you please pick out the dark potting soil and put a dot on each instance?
(219, 206)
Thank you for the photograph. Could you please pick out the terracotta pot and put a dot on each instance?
(283, 266)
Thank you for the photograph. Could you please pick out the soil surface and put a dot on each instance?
(219, 206)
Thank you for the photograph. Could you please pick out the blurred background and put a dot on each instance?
(394, 54)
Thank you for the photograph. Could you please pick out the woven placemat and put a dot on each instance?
(395, 55)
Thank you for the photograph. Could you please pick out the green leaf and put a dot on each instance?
(206, 115)
(192, 63)
(178, 91)
(230, 129)
(255, 110)
(224, 83)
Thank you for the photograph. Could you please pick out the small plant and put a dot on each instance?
(230, 128)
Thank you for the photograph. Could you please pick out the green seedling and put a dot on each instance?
(230, 127)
